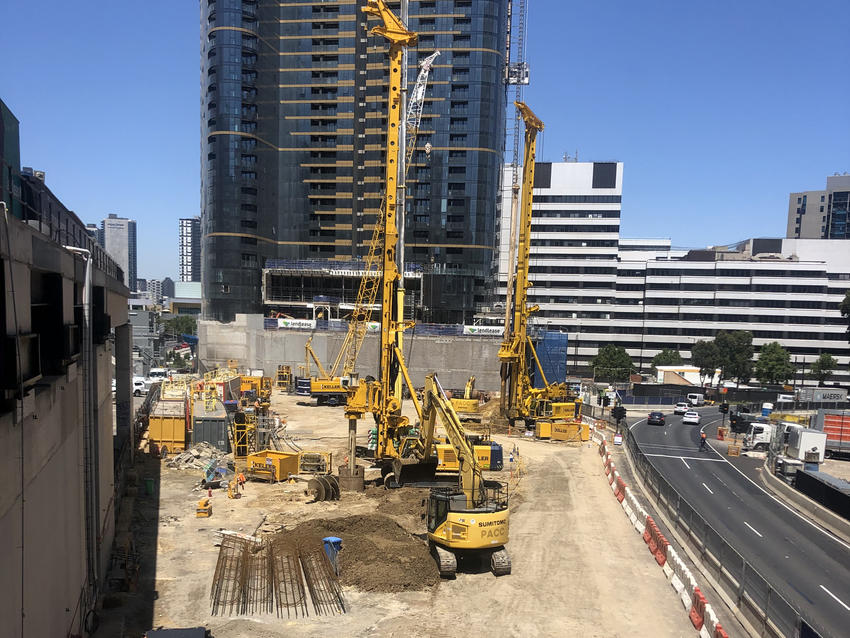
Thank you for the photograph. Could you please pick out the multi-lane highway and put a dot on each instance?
(808, 566)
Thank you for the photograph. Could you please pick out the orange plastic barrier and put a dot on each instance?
(719, 632)
(661, 548)
(609, 466)
(612, 476)
(697, 613)
(620, 492)
(653, 538)
(602, 449)
(647, 531)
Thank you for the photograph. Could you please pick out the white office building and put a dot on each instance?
(118, 237)
(190, 249)
(645, 295)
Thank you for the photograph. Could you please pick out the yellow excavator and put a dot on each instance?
(468, 407)
(472, 517)
(519, 399)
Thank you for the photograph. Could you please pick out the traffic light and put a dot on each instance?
(606, 402)
(619, 412)
(724, 408)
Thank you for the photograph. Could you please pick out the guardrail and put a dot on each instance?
(757, 600)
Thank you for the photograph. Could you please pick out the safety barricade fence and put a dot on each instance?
(757, 600)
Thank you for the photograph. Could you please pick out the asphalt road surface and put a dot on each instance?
(809, 567)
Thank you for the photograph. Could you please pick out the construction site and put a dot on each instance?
(329, 500)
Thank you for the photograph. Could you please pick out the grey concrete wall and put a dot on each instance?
(42, 503)
(454, 359)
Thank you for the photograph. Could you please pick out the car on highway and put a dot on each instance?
(681, 407)
(655, 418)
(691, 418)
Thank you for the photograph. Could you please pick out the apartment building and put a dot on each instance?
(293, 127)
(823, 214)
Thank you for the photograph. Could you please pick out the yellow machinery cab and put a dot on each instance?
(455, 529)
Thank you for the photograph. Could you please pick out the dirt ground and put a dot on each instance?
(578, 566)
(838, 468)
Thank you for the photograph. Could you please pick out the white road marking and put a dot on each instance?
(753, 528)
(690, 458)
(635, 423)
(710, 492)
(686, 463)
(788, 507)
(838, 600)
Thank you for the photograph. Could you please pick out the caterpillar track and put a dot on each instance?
(500, 562)
(446, 561)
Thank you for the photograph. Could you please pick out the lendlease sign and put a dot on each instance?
(484, 331)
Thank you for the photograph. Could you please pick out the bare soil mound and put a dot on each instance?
(404, 502)
(377, 553)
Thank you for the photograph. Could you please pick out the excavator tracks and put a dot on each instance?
(446, 561)
(500, 562)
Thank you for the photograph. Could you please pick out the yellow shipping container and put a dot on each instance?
(281, 463)
(167, 426)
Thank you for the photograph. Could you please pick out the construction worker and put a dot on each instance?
(702, 441)
(242, 481)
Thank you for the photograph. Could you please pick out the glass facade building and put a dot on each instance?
(293, 125)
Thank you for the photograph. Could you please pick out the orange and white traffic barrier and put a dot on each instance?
(697, 613)
(647, 531)
(661, 544)
(620, 492)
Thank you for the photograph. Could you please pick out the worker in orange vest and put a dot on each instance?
(702, 440)
(242, 481)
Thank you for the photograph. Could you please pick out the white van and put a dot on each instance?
(696, 399)
(158, 374)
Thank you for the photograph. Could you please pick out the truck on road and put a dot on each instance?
(696, 399)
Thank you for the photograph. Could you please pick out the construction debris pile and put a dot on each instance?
(281, 574)
(198, 457)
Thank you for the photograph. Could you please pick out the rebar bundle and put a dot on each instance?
(322, 581)
(253, 577)
(287, 584)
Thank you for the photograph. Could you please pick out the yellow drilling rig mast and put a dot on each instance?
(519, 399)
(383, 397)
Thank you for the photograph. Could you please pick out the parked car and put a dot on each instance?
(691, 418)
(655, 418)
(681, 407)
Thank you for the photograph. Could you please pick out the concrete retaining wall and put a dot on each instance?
(454, 359)
(817, 512)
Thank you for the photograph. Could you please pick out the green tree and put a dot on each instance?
(706, 356)
(823, 366)
(667, 357)
(844, 308)
(181, 324)
(735, 350)
(611, 363)
(774, 364)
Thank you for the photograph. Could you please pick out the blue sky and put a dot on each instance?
(718, 109)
